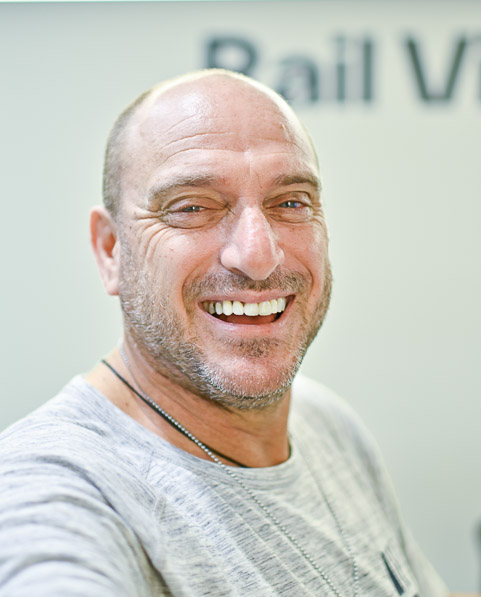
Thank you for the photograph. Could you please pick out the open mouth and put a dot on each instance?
(246, 313)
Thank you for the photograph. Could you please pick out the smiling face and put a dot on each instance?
(224, 277)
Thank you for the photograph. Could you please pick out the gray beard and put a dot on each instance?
(172, 351)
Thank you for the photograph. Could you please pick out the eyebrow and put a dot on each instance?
(160, 192)
(285, 180)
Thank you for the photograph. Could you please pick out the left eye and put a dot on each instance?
(291, 203)
(191, 209)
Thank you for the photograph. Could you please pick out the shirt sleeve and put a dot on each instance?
(60, 538)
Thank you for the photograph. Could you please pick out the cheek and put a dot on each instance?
(307, 251)
(308, 246)
(184, 258)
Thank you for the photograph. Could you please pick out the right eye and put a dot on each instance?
(193, 212)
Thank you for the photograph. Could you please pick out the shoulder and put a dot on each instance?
(331, 418)
(333, 426)
(78, 438)
(322, 406)
(75, 416)
(73, 500)
(308, 393)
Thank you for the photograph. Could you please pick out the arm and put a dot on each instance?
(59, 538)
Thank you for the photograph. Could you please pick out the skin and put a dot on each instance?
(220, 200)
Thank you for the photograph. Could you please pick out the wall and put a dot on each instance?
(392, 94)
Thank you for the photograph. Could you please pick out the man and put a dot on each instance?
(185, 463)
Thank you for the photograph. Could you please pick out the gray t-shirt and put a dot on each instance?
(94, 505)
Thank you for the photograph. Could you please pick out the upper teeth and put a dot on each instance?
(239, 308)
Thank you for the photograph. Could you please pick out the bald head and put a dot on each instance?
(215, 95)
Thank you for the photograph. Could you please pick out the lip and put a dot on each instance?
(257, 329)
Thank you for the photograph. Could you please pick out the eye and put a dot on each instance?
(292, 204)
(293, 207)
(191, 209)
(193, 212)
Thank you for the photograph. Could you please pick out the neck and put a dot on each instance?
(255, 438)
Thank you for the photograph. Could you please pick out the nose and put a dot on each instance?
(252, 248)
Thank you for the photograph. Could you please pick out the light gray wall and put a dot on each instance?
(402, 192)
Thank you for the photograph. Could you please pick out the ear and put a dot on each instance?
(103, 236)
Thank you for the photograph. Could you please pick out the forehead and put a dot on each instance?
(213, 124)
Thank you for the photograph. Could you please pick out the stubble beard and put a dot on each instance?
(175, 352)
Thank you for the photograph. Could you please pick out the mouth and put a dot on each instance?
(247, 313)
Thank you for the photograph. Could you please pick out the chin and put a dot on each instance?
(253, 385)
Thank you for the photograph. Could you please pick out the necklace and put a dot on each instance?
(228, 470)
(165, 415)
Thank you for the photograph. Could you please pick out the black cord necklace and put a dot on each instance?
(168, 418)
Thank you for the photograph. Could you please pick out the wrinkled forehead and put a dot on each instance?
(214, 112)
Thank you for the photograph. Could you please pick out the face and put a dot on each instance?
(224, 275)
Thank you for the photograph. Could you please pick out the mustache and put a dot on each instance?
(227, 282)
